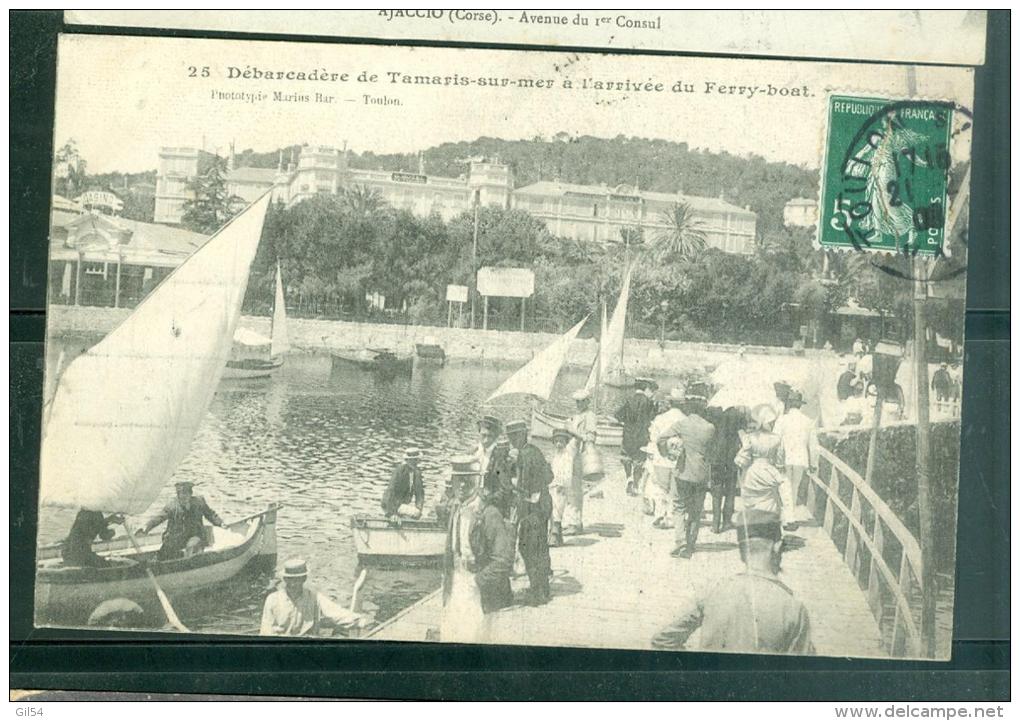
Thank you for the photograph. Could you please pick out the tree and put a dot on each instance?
(70, 171)
(682, 238)
(362, 202)
(212, 204)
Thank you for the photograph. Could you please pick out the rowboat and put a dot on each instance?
(71, 593)
(430, 352)
(251, 368)
(254, 355)
(607, 431)
(157, 373)
(377, 541)
(381, 361)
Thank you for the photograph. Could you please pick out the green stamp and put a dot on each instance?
(885, 175)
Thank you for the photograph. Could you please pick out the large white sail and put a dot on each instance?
(124, 413)
(612, 337)
(538, 376)
(281, 342)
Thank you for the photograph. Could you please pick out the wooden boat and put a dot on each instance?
(415, 541)
(71, 593)
(607, 432)
(157, 373)
(251, 368)
(376, 360)
(254, 356)
(430, 352)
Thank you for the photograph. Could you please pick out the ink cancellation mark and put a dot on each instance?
(885, 175)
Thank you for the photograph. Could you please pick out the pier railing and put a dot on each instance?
(881, 553)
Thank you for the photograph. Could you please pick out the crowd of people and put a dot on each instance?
(506, 501)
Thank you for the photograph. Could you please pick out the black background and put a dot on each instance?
(71, 660)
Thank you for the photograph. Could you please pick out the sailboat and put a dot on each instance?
(607, 370)
(611, 370)
(123, 416)
(245, 365)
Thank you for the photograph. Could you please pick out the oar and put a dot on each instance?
(357, 587)
(355, 632)
(164, 601)
(275, 507)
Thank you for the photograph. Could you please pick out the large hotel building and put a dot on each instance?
(595, 213)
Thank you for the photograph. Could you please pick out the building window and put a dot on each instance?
(94, 269)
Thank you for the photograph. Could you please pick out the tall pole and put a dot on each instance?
(924, 509)
(474, 263)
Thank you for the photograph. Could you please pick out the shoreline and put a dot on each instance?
(642, 357)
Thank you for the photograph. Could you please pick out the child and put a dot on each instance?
(563, 470)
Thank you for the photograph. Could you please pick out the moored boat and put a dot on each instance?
(71, 593)
(430, 352)
(384, 362)
(255, 356)
(607, 431)
(251, 368)
(378, 541)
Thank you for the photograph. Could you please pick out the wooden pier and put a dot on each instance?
(616, 585)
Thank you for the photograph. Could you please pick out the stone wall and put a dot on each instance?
(460, 344)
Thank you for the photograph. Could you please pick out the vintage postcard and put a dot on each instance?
(915, 36)
(505, 347)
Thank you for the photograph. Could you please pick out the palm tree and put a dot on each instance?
(362, 201)
(683, 237)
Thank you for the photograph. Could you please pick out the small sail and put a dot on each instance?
(124, 413)
(538, 375)
(612, 337)
(281, 343)
(598, 366)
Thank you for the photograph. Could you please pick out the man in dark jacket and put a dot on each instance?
(491, 453)
(493, 547)
(87, 526)
(691, 477)
(636, 414)
(405, 485)
(185, 532)
(534, 507)
(725, 474)
(942, 384)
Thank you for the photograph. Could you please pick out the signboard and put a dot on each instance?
(457, 293)
(99, 198)
(506, 282)
(409, 178)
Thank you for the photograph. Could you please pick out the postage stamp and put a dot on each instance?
(885, 174)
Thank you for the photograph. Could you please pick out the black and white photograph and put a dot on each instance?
(492, 346)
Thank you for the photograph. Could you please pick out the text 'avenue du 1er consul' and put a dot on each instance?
(268, 77)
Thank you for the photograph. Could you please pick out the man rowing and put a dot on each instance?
(185, 533)
(87, 526)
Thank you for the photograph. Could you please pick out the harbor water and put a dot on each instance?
(322, 439)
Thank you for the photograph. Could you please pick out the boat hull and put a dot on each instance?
(430, 352)
(378, 542)
(544, 423)
(72, 593)
(384, 365)
(250, 368)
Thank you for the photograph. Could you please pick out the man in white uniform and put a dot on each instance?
(799, 441)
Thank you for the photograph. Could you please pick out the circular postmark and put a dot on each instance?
(887, 191)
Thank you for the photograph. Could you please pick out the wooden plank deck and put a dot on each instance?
(616, 585)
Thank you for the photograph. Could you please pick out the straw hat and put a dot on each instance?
(295, 568)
